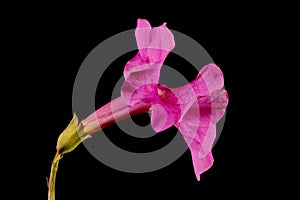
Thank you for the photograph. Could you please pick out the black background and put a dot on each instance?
(49, 44)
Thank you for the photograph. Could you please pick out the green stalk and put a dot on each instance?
(52, 178)
(68, 140)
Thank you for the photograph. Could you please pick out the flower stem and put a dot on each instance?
(52, 178)
(76, 132)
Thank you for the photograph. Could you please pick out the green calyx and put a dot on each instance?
(71, 137)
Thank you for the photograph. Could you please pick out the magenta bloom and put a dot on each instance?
(194, 108)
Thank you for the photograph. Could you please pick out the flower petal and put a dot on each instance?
(214, 104)
(208, 137)
(154, 45)
(209, 79)
(165, 109)
(198, 127)
(199, 141)
(158, 117)
(142, 33)
(161, 42)
(198, 119)
(140, 83)
(202, 164)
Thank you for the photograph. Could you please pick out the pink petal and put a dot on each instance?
(208, 139)
(209, 79)
(158, 117)
(141, 82)
(144, 69)
(161, 42)
(197, 129)
(142, 33)
(186, 97)
(214, 104)
(198, 119)
(199, 135)
(202, 164)
(197, 125)
(189, 123)
(165, 109)
(154, 44)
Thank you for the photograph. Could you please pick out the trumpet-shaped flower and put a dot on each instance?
(194, 108)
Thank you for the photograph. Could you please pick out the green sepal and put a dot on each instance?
(71, 137)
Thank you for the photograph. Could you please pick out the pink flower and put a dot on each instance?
(194, 108)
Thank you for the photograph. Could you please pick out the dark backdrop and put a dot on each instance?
(48, 46)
